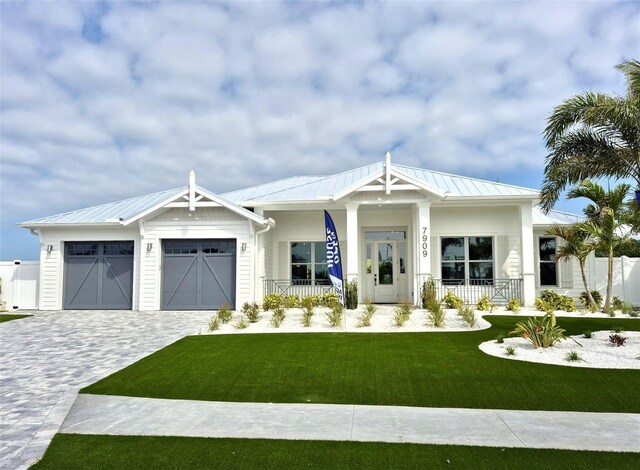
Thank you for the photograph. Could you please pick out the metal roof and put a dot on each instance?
(554, 217)
(309, 188)
(111, 212)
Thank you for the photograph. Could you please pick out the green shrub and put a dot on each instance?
(335, 315)
(557, 301)
(428, 293)
(587, 334)
(402, 313)
(436, 314)
(597, 298)
(291, 301)
(540, 332)
(278, 317)
(225, 314)
(572, 356)
(451, 300)
(544, 306)
(633, 311)
(252, 311)
(242, 323)
(214, 323)
(467, 313)
(306, 319)
(616, 303)
(483, 304)
(514, 305)
(308, 304)
(500, 338)
(329, 298)
(364, 319)
(510, 351)
(272, 301)
(351, 294)
(617, 329)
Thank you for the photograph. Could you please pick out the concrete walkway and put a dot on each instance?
(45, 359)
(99, 414)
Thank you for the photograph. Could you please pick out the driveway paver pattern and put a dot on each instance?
(45, 359)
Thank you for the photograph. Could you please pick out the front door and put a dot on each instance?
(385, 277)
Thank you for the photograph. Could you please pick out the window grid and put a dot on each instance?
(312, 268)
(462, 266)
(547, 249)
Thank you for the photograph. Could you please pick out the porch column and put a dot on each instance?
(527, 263)
(422, 246)
(352, 239)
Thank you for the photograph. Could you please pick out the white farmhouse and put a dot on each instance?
(188, 248)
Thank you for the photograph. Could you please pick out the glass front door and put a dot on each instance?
(385, 276)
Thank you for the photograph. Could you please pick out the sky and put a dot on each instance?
(101, 101)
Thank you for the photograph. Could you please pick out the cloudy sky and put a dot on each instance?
(102, 101)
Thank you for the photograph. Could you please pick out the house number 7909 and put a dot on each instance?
(425, 242)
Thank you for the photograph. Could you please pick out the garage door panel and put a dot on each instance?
(82, 282)
(98, 275)
(198, 274)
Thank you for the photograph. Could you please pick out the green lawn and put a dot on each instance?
(411, 369)
(8, 317)
(130, 453)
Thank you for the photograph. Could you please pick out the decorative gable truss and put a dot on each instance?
(389, 179)
(195, 197)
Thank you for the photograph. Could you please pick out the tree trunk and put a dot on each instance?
(607, 302)
(592, 303)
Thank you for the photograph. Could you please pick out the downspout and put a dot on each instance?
(270, 223)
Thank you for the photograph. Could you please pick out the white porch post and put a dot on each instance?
(352, 238)
(422, 246)
(527, 254)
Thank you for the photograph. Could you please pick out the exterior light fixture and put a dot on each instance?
(149, 247)
(243, 247)
(49, 248)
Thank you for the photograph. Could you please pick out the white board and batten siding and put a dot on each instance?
(204, 223)
(500, 222)
(52, 264)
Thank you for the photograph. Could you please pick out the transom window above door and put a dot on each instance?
(466, 258)
(309, 262)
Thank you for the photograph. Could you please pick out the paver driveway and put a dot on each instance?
(47, 358)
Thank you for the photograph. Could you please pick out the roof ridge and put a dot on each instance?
(465, 177)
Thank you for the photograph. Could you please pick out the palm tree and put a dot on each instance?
(607, 215)
(576, 246)
(593, 135)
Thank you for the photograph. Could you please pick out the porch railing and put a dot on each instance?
(299, 287)
(500, 291)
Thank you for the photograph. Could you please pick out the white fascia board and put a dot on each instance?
(359, 184)
(152, 209)
(421, 184)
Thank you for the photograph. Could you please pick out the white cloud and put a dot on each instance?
(248, 92)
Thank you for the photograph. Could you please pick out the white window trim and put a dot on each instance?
(466, 253)
(312, 263)
(558, 280)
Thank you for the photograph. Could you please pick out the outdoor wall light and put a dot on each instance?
(149, 247)
(243, 247)
(49, 248)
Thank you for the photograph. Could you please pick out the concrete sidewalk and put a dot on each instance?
(98, 414)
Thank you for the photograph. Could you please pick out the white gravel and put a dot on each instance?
(381, 322)
(595, 352)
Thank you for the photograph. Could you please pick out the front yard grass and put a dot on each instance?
(137, 452)
(8, 317)
(409, 369)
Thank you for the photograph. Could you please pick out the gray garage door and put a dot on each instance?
(98, 275)
(198, 274)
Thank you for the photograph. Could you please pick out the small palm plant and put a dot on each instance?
(540, 332)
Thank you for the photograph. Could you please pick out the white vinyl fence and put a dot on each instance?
(626, 278)
(19, 285)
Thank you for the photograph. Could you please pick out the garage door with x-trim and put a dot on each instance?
(198, 274)
(98, 275)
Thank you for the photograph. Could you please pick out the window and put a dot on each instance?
(309, 263)
(548, 265)
(467, 258)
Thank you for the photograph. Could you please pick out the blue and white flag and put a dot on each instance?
(334, 260)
